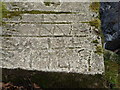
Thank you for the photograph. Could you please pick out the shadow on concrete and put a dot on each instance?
(25, 78)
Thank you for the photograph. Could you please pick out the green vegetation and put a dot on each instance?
(95, 6)
(96, 23)
(112, 65)
(95, 41)
(99, 49)
(47, 80)
(3, 11)
(47, 3)
(111, 56)
(111, 73)
(11, 14)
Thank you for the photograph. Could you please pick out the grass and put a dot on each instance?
(111, 71)
(112, 65)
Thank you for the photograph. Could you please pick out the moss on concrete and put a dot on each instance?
(3, 11)
(99, 49)
(96, 23)
(45, 79)
(95, 6)
(95, 41)
(11, 14)
(47, 3)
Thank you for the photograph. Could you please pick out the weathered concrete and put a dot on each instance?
(54, 41)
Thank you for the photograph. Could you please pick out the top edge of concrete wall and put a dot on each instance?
(61, 0)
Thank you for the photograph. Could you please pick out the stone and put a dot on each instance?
(50, 38)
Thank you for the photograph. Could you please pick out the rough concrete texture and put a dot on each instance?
(51, 38)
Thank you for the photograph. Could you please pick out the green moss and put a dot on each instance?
(102, 37)
(3, 11)
(95, 41)
(96, 23)
(47, 3)
(11, 14)
(99, 49)
(95, 6)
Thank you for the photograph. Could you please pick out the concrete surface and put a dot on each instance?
(54, 42)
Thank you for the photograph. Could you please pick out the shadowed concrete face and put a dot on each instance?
(51, 38)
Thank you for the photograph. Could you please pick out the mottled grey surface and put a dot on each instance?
(51, 42)
(110, 17)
